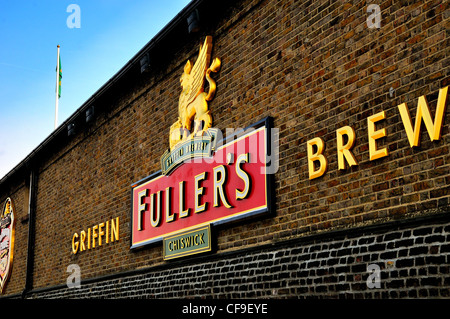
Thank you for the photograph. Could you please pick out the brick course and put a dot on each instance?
(413, 260)
(313, 66)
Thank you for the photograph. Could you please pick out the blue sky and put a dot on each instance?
(111, 32)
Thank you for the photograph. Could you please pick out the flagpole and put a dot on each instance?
(57, 89)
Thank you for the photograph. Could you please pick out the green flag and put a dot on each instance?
(60, 77)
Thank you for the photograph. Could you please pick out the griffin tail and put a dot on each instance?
(215, 66)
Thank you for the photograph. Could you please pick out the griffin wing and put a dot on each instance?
(197, 74)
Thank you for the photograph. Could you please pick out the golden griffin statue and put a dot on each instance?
(192, 105)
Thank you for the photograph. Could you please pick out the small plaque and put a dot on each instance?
(187, 243)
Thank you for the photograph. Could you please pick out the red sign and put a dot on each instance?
(232, 184)
(7, 230)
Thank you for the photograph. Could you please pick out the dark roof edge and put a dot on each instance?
(179, 18)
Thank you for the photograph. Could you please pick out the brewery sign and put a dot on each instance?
(6, 242)
(204, 180)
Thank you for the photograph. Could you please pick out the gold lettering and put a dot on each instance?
(314, 157)
(82, 239)
(89, 239)
(155, 217)
(344, 150)
(115, 229)
(242, 194)
(94, 235)
(142, 207)
(423, 112)
(218, 186)
(100, 233)
(75, 243)
(183, 212)
(169, 216)
(374, 135)
(199, 192)
(107, 231)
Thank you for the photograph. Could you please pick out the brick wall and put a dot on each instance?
(314, 66)
(413, 260)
